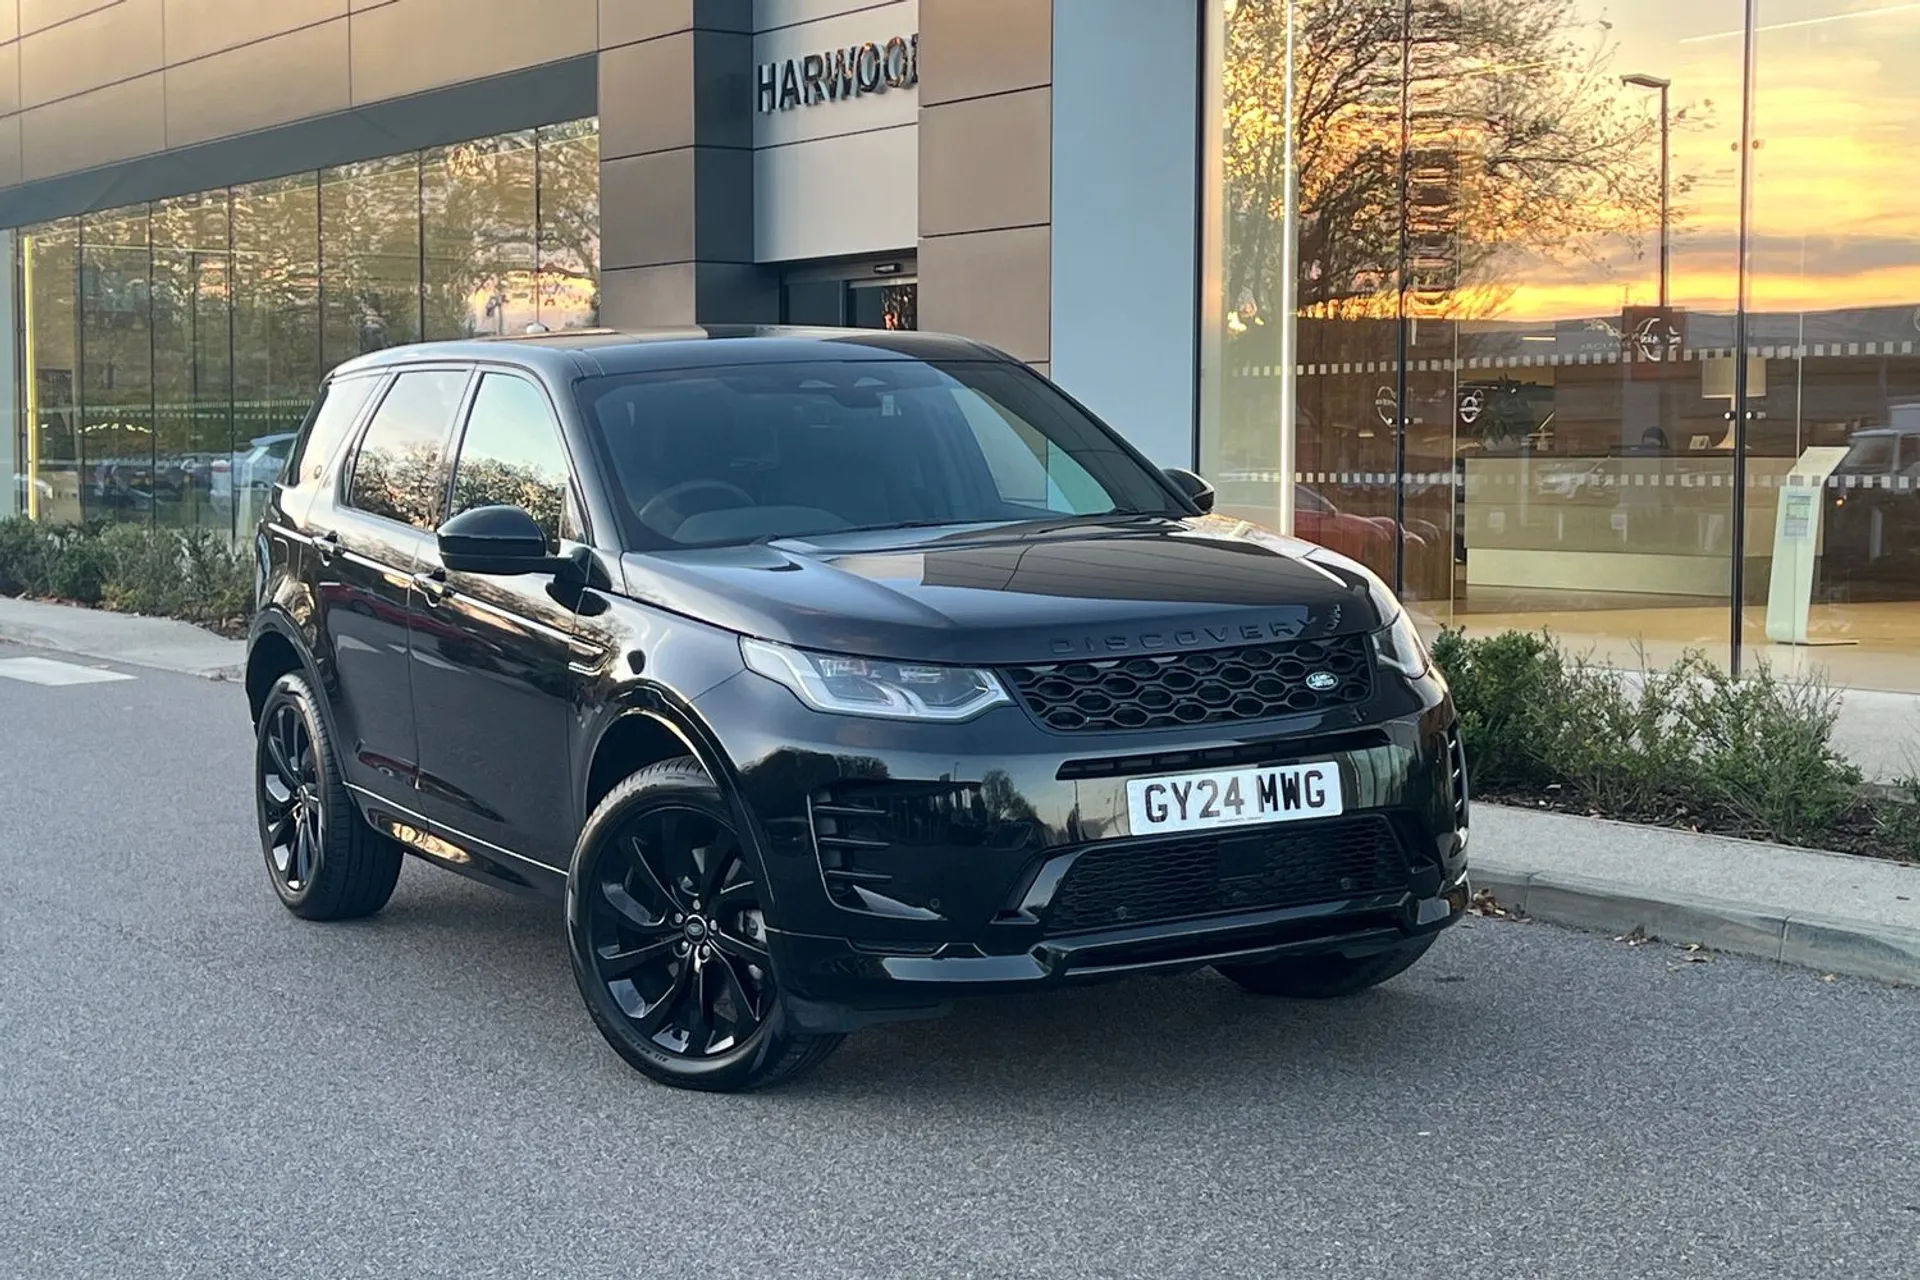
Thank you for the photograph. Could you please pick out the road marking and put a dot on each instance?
(47, 671)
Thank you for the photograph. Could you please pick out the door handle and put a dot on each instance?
(327, 546)
(432, 585)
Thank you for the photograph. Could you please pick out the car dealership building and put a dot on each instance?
(1454, 287)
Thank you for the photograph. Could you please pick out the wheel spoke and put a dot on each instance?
(282, 830)
(303, 853)
(290, 743)
(277, 756)
(748, 1015)
(276, 796)
(655, 880)
(616, 964)
(737, 944)
(631, 910)
(700, 1021)
(720, 858)
(655, 1017)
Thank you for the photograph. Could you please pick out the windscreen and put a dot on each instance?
(743, 453)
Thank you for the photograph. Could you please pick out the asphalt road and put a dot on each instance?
(194, 1083)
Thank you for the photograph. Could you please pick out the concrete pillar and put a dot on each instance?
(1126, 216)
(676, 165)
(986, 207)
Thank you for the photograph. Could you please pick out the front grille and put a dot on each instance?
(1289, 866)
(1215, 686)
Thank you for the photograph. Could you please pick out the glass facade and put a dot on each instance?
(170, 350)
(1478, 275)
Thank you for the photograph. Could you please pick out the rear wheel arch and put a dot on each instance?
(271, 655)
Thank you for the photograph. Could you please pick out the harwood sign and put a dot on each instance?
(839, 74)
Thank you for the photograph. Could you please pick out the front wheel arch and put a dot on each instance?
(651, 724)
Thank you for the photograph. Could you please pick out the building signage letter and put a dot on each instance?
(837, 75)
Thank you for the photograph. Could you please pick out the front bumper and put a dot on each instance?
(908, 864)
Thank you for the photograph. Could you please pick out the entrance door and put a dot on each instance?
(869, 295)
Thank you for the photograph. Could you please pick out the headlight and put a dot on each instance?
(1398, 646)
(870, 687)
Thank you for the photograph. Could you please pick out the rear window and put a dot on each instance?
(717, 456)
(331, 418)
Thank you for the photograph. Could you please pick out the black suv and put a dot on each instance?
(829, 676)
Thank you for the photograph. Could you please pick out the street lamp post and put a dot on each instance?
(1644, 81)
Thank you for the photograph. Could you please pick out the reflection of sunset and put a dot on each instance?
(1835, 224)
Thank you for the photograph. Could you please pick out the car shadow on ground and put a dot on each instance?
(1129, 1039)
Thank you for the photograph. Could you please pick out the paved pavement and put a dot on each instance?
(193, 1083)
(96, 633)
(1828, 911)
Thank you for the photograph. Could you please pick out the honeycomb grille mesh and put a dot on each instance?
(1164, 691)
(1162, 880)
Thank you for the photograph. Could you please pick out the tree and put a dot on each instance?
(1508, 115)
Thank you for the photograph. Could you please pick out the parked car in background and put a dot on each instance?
(252, 470)
(1872, 537)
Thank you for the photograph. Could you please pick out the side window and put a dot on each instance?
(512, 456)
(333, 416)
(399, 471)
(1027, 468)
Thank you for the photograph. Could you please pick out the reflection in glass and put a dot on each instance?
(276, 333)
(397, 469)
(478, 202)
(1493, 410)
(176, 348)
(370, 257)
(120, 475)
(569, 218)
(50, 256)
(1834, 313)
(192, 353)
(511, 455)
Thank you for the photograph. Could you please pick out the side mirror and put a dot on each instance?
(498, 540)
(1198, 491)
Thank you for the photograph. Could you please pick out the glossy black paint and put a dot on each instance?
(482, 715)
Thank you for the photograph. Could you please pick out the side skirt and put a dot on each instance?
(460, 853)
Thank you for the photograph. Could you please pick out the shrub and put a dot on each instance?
(1748, 756)
(78, 562)
(192, 574)
(23, 557)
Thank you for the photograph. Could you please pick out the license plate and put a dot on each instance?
(1234, 797)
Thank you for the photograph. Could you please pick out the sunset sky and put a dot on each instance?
(1836, 205)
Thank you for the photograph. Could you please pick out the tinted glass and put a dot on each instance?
(512, 455)
(370, 256)
(399, 469)
(479, 229)
(121, 476)
(332, 418)
(729, 455)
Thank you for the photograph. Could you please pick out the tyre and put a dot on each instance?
(325, 862)
(668, 939)
(1327, 977)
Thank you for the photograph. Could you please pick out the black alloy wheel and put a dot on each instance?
(323, 859)
(292, 818)
(668, 937)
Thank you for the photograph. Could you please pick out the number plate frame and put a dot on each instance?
(1212, 799)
